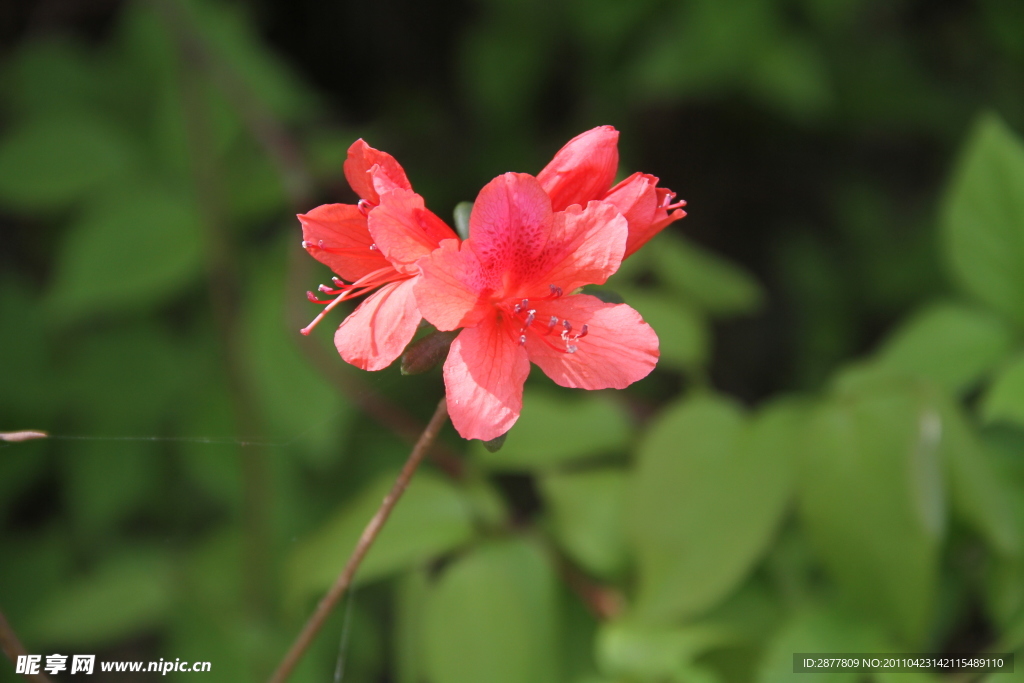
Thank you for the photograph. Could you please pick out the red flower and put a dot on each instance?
(505, 286)
(584, 170)
(372, 244)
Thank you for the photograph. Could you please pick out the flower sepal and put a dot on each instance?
(425, 353)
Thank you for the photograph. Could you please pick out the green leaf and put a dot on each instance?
(1004, 400)
(708, 281)
(411, 592)
(983, 218)
(554, 430)
(873, 498)
(48, 73)
(587, 510)
(709, 491)
(134, 247)
(461, 215)
(682, 331)
(816, 629)
(978, 494)
(124, 598)
(493, 617)
(648, 653)
(953, 345)
(790, 74)
(52, 161)
(298, 406)
(235, 39)
(431, 519)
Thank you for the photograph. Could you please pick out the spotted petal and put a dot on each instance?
(585, 245)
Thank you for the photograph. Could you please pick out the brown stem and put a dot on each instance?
(602, 602)
(344, 580)
(13, 648)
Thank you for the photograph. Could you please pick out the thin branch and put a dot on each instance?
(344, 580)
(603, 602)
(13, 648)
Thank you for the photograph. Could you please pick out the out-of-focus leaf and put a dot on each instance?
(816, 630)
(215, 467)
(873, 497)
(587, 509)
(51, 161)
(1004, 400)
(254, 187)
(493, 617)
(104, 482)
(708, 281)
(411, 593)
(983, 219)
(235, 39)
(682, 331)
(709, 490)
(977, 492)
(300, 408)
(462, 212)
(325, 152)
(553, 430)
(503, 62)
(950, 344)
(431, 519)
(28, 390)
(640, 652)
(138, 245)
(125, 597)
(791, 76)
(703, 46)
(47, 74)
(122, 383)
(35, 567)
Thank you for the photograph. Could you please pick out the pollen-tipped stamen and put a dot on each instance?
(365, 284)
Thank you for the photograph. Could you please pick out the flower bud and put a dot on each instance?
(423, 354)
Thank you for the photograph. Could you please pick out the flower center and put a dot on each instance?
(526, 315)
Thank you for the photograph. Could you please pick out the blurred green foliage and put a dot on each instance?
(211, 469)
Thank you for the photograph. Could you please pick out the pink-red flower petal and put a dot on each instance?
(337, 236)
(377, 332)
(483, 378)
(583, 169)
(509, 229)
(404, 230)
(448, 291)
(618, 349)
(643, 204)
(588, 245)
(370, 171)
